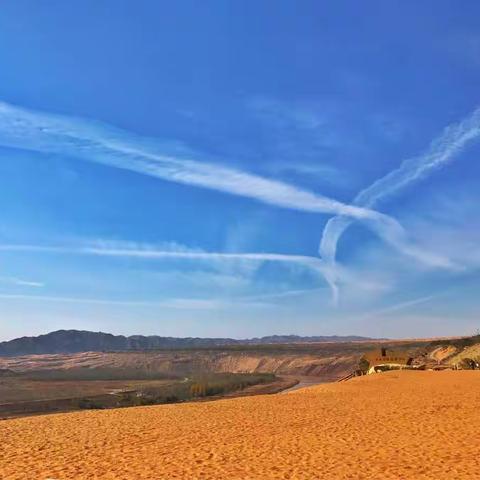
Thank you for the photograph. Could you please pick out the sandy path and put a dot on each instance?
(397, 425)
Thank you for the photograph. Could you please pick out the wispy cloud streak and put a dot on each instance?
(152, 253)
(442, 151)
(21, 282)
(92, 141)
(173, 303)
(399, 307)
(127, 250)
(96, 142)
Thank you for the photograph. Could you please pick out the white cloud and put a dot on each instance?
(178, 252)
(399, 307)
(442, 150)
(173, 303)
(91, 141)
(20, 128)
(21, 282)
(450, 224)
(320, 172)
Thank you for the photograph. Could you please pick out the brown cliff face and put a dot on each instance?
(301, 365)
(186, 363)
(329, 360)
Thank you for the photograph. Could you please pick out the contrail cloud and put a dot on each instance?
(150, 253)
(95, 142)
(441, 151)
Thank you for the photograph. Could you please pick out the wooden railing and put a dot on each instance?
(346, 377)
(355, 373)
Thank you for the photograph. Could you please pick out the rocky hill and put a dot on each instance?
(75, 341)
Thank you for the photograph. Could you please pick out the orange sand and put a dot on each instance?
(397, 425)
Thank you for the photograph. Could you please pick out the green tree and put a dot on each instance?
(363, 365)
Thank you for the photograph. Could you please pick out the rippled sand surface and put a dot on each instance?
(397, 425)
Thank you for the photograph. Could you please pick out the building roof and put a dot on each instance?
(384, 356)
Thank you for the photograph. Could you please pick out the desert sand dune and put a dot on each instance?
(397, 425)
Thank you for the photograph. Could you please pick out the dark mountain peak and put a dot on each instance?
(75, 341)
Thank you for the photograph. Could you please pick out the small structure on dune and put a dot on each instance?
(381, 360)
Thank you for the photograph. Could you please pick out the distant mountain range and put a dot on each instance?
(74, 341)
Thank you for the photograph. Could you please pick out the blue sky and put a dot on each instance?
(171, 167)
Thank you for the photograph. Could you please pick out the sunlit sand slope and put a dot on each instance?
(398, 425)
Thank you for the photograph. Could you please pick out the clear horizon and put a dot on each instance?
(240, 169)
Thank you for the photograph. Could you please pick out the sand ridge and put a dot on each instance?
(396, 425)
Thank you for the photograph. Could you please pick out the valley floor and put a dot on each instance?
(396, 425)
